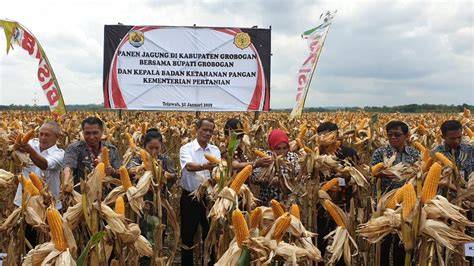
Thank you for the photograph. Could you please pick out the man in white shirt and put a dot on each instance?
(195, 169)
(46, 160)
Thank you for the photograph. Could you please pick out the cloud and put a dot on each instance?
(376, 53)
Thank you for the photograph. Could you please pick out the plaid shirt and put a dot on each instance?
(464, 157)
(82, 160)
(409, 155)
(267, 193)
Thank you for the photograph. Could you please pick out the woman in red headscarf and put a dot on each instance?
(286, 166)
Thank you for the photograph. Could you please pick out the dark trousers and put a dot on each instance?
(193, 213)
(392, 241)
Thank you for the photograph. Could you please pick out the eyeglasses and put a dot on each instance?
(395, 134)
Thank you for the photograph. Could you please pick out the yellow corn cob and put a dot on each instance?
(302, 133)
(30, 188)
(409, 200)
(466, 112)
(131, 142)
(376, 168)
(430, 186)
(330, 184)
(240, 178)
(119, 205)
(276, 208)
(144, 127)
(56, 226)
(241, 230)
(105, 156)
(396, 198)
(101, 169)
(469, 132)
(211, 158)
(331, 209)
(422, 129)
(146, 160)
(36, 181)
(29, 135)
(419, 146)
(260, 154)
(295, 211)
(18, 139)
(427, 165)
(282, 225)
(299, 143)
(443, 159)
(124, 177)
(255, 217)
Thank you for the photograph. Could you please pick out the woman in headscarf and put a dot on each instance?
(286, 166)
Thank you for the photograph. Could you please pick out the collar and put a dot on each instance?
(196, 145)
(406, 149)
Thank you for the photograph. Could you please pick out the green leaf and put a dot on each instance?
(244, 259)
(95, 239)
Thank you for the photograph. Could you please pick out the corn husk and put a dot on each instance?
(342, 244)
(440, 207)
(226, 200)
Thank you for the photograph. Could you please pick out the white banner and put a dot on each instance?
(188, 69)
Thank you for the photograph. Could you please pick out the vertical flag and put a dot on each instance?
(16, 33)
(316, 38)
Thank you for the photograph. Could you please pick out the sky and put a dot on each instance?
(376, 52)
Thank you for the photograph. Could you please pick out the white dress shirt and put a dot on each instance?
(192, 152)
(54, 156)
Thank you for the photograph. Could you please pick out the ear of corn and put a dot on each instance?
(443, 159)
(396, 198)
(427, 165)
(260, 154)
(409, 200)
(36, 181)
(105, 156)
(101, 169)
(56, 226)
(469, 132)
(330, 184)
(125, 178)
(295, 211)
(376, 168)
(29, 135)
(30, 187)
(299, 143)
(281, 226)
(240, 178)
(241, 230)
(120, 205)
(146, 160)
(276, 208)
(255, 217)
(18, 139)
(131, 142)
(430, 186)
(211, 158)
(302, 132)
(336, 216)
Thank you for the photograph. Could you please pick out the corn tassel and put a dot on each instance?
(276, 208)
(331, 209)
(29, 135)
(260, 154)
(295, 211)
(241, 230)
(211, 158)
(56, 226)
(105, 156)
(443, 159)
(282, 225)
(430, 186)
(146, 160)
(125, 178)
(240, 178)
(409, 200)
(330, 184)
(30, 188)
(120, 205)
(376, 168)
(36, 181)
(255, 217)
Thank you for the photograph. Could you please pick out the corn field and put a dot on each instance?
(94, 228)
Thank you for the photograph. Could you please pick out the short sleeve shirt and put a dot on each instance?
(464, 157)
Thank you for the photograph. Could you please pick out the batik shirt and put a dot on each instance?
(269, 192)
(80, 158)
(464, 157)
(409, 155)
